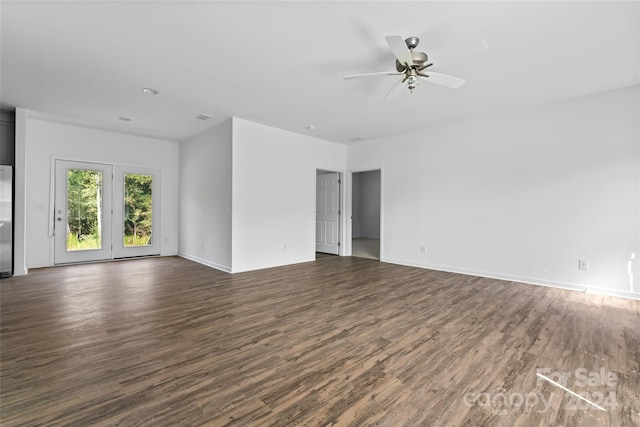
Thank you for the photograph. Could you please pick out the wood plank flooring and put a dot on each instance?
(339, 341)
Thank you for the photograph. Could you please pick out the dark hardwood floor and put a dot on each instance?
(338, 341)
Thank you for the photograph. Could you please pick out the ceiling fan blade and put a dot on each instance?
(400, 49)
(443, 79)
(460, 52)
(396, 89)
(381, 73)
(473, 48)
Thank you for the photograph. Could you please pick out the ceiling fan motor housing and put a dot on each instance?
(412, 42)
(419, 58)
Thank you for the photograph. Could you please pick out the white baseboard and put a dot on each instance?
(526, 280)
(614, 293)
(205, 262)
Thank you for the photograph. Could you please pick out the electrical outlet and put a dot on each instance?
(423, 249)
(583, 264)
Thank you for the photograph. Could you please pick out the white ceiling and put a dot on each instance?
(281, 63)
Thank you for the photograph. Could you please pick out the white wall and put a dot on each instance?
(205, 197)
(520, 196)
(274, 189)
(45, 141)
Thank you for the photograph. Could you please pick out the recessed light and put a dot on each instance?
(124, 119)
(150, 91)
(311, 127)
(203, 117)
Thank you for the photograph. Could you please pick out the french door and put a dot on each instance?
(104, 212)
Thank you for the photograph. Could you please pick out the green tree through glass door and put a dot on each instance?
(138, 202)
(84, 209)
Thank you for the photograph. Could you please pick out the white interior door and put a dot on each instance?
(136, 212)
(328, 212)
(83, 194)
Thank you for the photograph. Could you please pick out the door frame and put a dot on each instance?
(349, 209)
(156, 206)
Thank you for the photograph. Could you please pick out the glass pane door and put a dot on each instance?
(82, 212)
(136, 214)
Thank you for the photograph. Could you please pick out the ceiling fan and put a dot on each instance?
(412, 65)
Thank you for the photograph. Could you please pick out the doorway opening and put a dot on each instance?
(328, 213)
(365, 214)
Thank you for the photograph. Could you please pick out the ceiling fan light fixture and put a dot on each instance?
(412, 81)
